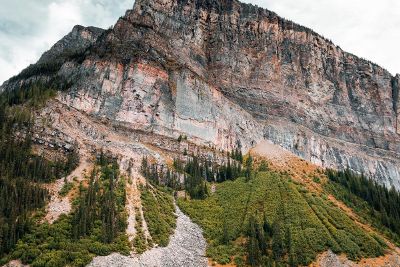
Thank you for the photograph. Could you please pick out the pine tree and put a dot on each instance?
(225, 234)
(263, 166)
(253, 248)
(289, 247)
(248, 166)
(267, 227)
(277, 241)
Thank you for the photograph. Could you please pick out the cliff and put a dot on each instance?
(229, 74)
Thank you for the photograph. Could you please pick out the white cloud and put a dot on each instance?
(30, 27)
(367, 28)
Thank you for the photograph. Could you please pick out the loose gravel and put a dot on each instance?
(186, 248)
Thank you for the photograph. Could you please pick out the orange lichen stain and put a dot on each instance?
(152, 71)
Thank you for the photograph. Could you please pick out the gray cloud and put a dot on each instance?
(367, 28)
(30, 27)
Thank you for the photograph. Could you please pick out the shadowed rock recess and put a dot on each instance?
(230, 74)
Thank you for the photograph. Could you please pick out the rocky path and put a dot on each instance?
(15, 263)
(61, 204)
(330, 259)
(130, 207)
(134, 206)
(186, 249)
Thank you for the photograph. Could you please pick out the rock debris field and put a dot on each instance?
(186, 248)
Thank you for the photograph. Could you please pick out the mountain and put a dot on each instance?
(174, 93)
(181, 66)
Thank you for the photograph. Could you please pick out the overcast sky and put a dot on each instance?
(367, 28)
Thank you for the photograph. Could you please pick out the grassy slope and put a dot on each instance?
(53, 244)
(158, 211)
(365, 212)
(313, 223)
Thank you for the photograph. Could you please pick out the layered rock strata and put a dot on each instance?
(229, 74)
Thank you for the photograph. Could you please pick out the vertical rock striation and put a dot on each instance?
(396, 100)
(227, 74)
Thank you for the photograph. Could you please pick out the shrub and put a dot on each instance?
(308, 224)
(67, 187)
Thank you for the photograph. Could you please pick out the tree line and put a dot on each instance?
(194, 173)
(96, 225)
(383, 200)
(21, 172)
(102, 203)
(269, 245)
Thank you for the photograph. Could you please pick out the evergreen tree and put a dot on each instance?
(225, 235)
(253, 248)
(277, 241)
(385, 202)
(263, 166)
(248, 166)
(21, 172)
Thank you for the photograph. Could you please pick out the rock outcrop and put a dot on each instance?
(229, 74)
(71, 48)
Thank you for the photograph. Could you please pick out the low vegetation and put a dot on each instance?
(95, 227)
(372, 201)
(67, 187)
(21, 172)
(266, 219)
(139, 242)
(159, 213)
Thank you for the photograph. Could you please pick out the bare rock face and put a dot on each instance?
(229, 74)
(77, 41)
(324, 104)
(71, 47)
(396, 100)
(147, 97)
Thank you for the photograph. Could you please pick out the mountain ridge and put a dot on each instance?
(220, 109)
(277, 71)
(285, 21)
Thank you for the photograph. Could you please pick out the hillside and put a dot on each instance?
(285, 213)
(195, 131)
(179, 67)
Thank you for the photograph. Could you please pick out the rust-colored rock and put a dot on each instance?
(227, 74)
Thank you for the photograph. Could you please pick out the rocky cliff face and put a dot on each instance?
(396, 100)
(227, 74)
(71, 48)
